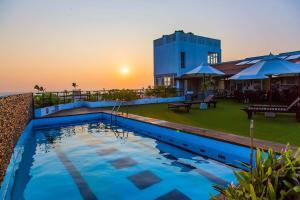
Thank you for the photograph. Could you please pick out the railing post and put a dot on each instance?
(50, 99)
(58, 97)
(33, 106)
(43, 100)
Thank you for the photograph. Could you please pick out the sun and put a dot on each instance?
(124, 70)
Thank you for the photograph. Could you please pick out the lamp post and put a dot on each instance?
(298, 105)
(270, 89)
(251, 147)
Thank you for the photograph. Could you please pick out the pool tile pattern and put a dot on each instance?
(107, 151)
(82, 185)
(144, 179)
(186, 167)
(123, 162)
(173, 195)
(211, 177)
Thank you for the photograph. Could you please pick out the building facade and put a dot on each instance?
(180, 52)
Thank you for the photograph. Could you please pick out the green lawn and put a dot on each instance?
(228, 117)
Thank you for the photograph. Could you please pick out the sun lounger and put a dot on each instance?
(271, 108)
(209, 100)
(178, 106)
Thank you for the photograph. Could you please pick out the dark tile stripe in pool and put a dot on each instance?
(144, 179)
(83, 187)
(107, 151)
(173, 195)
(123, 162)
(188, 167)
(212, 177)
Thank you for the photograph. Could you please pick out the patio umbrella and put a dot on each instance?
(202, 70)
(266, 68)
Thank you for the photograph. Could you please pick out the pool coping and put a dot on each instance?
(216, 135)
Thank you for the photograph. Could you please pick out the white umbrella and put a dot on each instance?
(267, 68)
(202, 70)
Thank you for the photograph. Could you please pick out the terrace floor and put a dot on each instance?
(226, 122)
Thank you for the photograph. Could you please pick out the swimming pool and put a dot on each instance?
(87, 157)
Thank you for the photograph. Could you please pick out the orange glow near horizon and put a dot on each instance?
(53, 43)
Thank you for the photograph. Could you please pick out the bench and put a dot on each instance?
(178, 106)
(208, 100)
(250, 110)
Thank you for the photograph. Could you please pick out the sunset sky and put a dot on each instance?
(108, 44)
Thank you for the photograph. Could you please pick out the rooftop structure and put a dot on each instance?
(180, 52)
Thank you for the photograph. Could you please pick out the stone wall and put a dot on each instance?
(15, 112)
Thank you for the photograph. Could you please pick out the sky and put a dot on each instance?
(53, 43)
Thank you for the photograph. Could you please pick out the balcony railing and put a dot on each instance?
(44, 99)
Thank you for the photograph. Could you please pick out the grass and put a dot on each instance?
(228, 117)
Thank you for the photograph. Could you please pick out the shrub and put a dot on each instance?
(124, 95)
(160, 91)
(273, 177)
(92, 97)
(46, 99)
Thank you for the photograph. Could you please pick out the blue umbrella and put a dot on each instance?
(267, 67)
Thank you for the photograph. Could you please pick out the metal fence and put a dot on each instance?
(43, 99)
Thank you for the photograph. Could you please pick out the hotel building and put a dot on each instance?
(181, 52)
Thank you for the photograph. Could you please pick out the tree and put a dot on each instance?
(74, 85)
(39, 88)
(42, 89)
(36, 87)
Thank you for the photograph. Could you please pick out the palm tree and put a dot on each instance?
(42, 89)
(39, 88)
(36, 87)
(74, 85)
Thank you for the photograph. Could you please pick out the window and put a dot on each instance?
(182, 59)
(212, 58)
(167, 81)
(158, 81)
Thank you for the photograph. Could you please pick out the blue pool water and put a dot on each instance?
(98, 161)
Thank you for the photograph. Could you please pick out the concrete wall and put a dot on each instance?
(15, 113)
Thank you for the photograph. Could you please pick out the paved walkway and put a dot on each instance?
(227, 137)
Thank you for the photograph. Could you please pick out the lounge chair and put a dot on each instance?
(209, 100)
(178, 106)
(271, 108)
